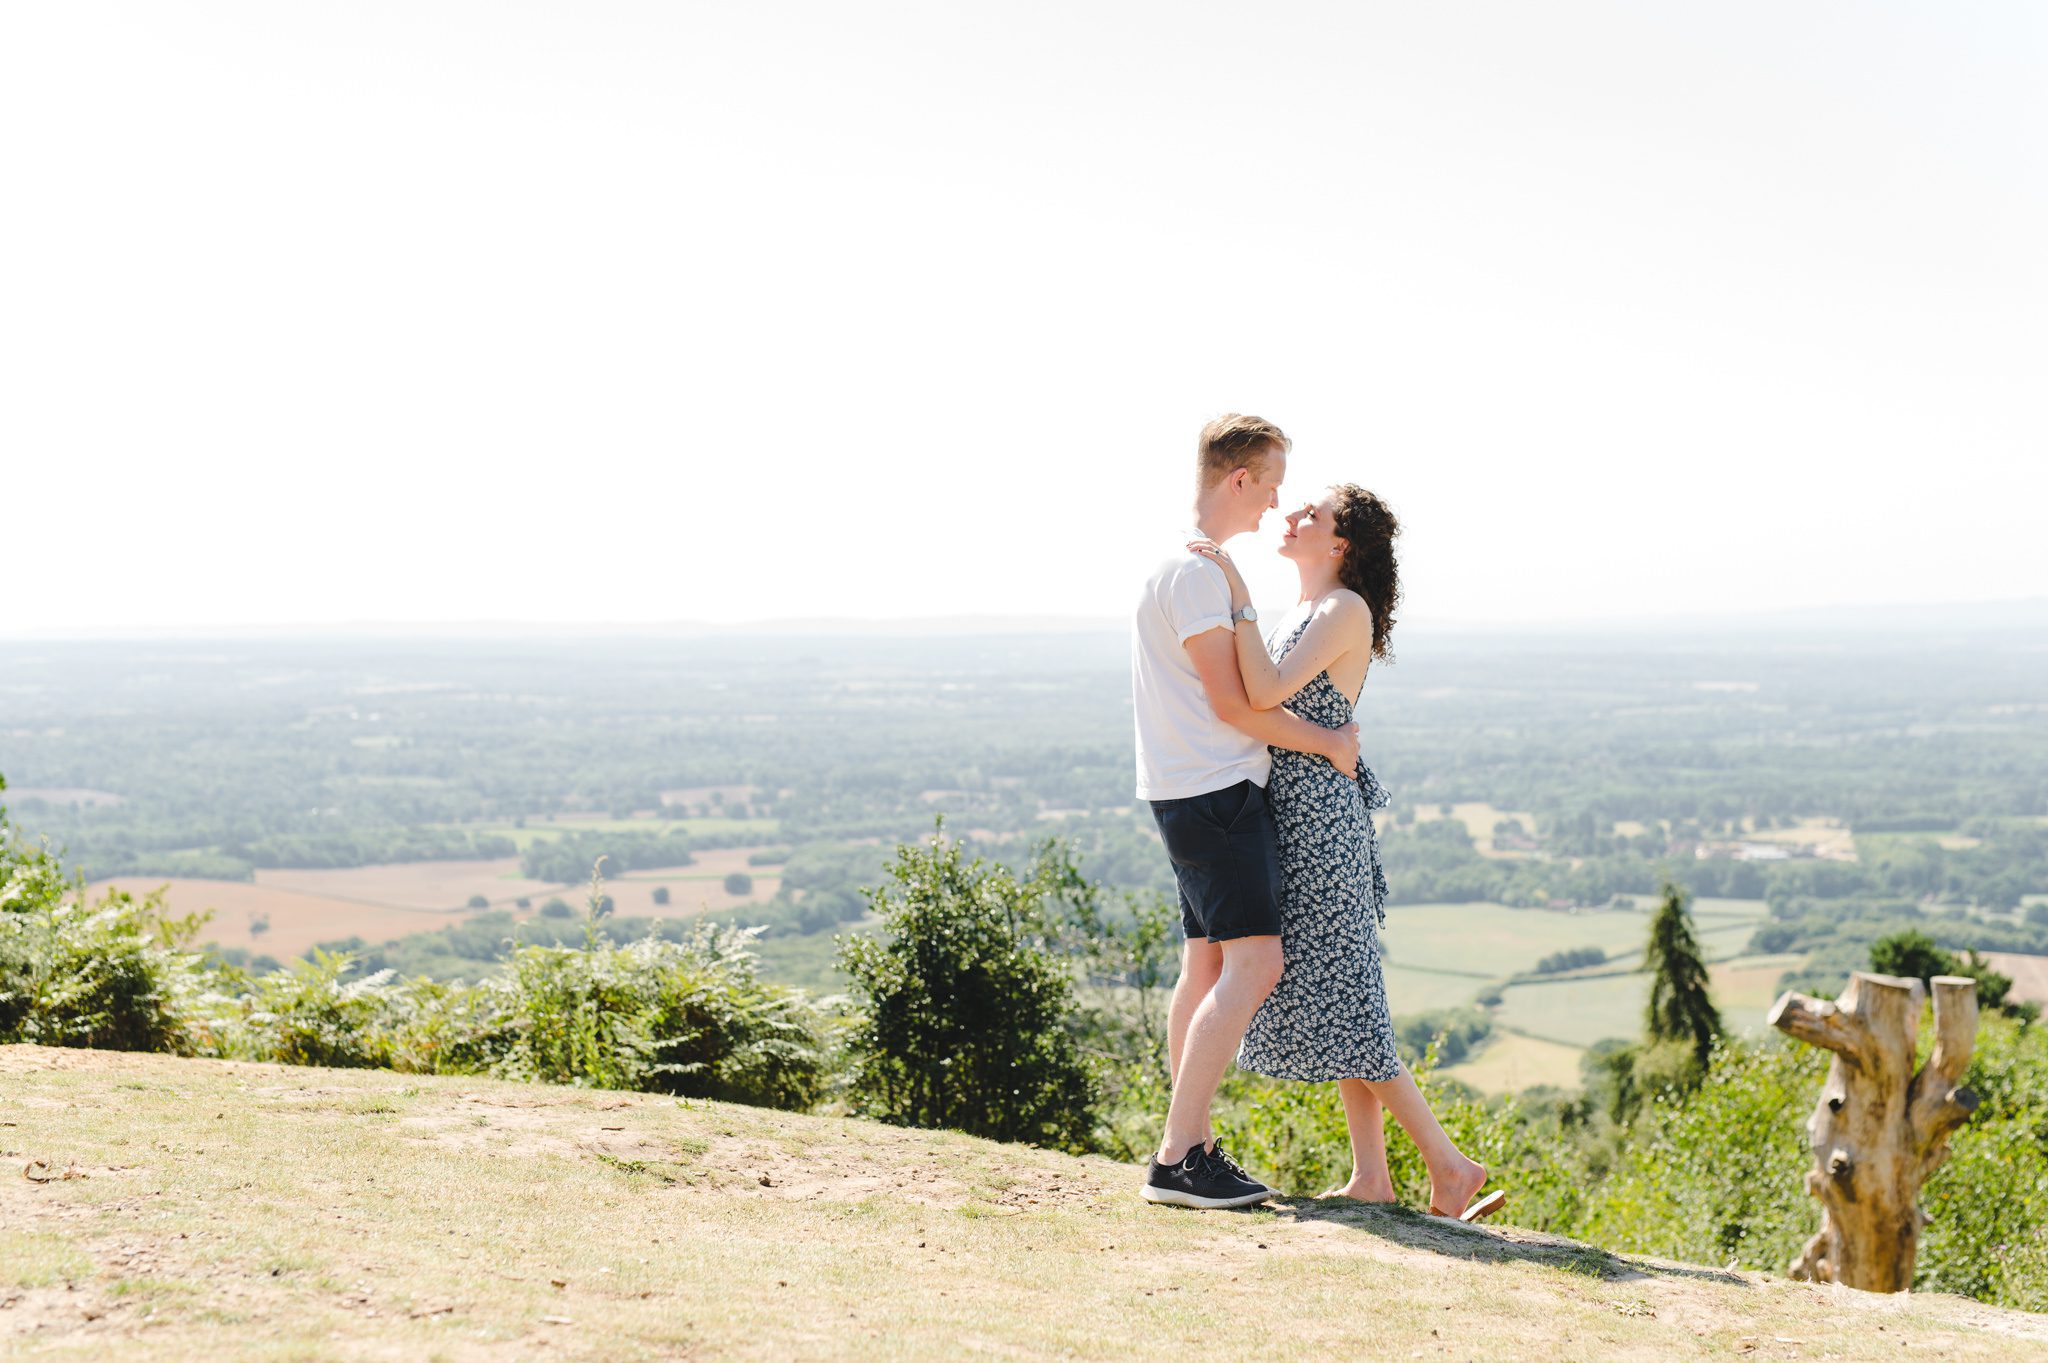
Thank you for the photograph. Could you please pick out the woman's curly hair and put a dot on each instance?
(1368, 525)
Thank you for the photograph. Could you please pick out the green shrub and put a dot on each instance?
(112, 974)
(1987, 1236)
(690, 1018)
(1712, 1170)
(306, 1015)
(967, 1018)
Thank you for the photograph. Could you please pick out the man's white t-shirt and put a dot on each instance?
(1183, 748)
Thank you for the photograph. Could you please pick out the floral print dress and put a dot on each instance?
(1327, 1018)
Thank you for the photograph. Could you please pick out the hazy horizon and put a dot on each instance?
(2022, 612)
(516, 311)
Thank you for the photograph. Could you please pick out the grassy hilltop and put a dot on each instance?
(196, 1209)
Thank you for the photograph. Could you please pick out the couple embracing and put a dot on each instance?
(1248, 756)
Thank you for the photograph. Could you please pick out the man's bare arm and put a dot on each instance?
(1214, 654)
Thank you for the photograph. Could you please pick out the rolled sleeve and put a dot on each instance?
(1198, 600)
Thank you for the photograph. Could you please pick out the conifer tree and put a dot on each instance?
(1680, 1007)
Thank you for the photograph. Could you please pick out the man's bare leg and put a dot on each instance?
(1251, 967)
(1201, 964)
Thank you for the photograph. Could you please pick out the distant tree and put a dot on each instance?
(2037, 915)
(1912, 954)
(1680, 1008)
(661, 894)
(739, 882)
(523, 902)
(557, 908)
(259, 923)
(477, 901)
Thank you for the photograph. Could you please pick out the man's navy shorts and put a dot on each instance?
(1227, 860)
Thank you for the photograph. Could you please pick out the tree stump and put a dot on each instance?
(1880, 1128)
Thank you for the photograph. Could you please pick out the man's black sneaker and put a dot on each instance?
(1200, 1179)
(1217, 1153)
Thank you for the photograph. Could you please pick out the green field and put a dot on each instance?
(1491, 941)
(1413, 990)
(1579, 1011)
(1512, 1062)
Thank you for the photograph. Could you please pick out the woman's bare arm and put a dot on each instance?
(1342, 622)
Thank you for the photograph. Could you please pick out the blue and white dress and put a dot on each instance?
(1327, 1018)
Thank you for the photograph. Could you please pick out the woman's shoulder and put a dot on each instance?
(1342, 600)
(1345, 608)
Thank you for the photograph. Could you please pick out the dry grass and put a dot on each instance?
(219, 1212)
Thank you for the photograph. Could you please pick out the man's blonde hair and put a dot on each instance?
(1233, 442)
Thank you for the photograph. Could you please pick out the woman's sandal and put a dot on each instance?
(1479, 1210)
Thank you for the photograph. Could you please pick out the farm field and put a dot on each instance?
(380, 903)
(433, 885)
(297, 920)
(1410, 990)
(1578, 1011)
(693, 889)
(1710, 909)
(1493, 941)
(2029, 974)
(1827, 837)
(1512, 1062)
(1745, 988)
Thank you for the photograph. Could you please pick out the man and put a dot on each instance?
(1202, 765)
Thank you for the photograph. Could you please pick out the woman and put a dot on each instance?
(1327, 1018)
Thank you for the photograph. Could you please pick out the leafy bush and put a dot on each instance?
(112, 974)
(690, 1018)
(306, 1015)
(967, 1014)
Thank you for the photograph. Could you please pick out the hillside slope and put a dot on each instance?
(221, 1211)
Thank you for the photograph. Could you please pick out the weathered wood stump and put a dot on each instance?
(1880, 1128)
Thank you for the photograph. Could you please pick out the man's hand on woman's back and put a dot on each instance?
(1343, 749)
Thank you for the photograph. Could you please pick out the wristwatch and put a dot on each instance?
(1248, 614)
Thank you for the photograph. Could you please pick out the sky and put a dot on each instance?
(740, 312)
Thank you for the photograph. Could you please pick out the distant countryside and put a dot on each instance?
(430, 805)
